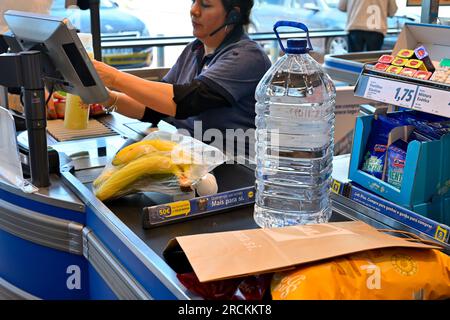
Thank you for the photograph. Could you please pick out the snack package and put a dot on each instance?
(394, 69)
(381, 66)
(422, 54)
(424, 75)
(251, 288)
(441, 74)
(431, 126)
(415, 64)
(164, 162)
(386, 59)
(416, 135)
(377, 144)
(384, 274)
(396, 157)
(408, 72)
(406, 54)
(399, 62)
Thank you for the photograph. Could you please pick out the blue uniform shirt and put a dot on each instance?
(233, 70)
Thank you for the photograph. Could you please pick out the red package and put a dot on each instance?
(381, 66)
(424, 75)
(408, 72)
(386, 59)
(244, 288)
(96, 109)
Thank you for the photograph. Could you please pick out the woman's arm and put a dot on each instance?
(125, 105)
(158, 95)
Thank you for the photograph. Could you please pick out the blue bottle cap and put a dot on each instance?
(297, 46)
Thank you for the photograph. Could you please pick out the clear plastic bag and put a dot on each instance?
(10, 166)
(163, 162)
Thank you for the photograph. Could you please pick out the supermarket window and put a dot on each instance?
(273, 2)
(139, 19)
(116, 22)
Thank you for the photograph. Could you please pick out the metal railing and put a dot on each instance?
(161, 43)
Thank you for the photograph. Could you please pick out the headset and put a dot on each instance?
(233, 17)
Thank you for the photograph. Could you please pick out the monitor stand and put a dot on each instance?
(24, 70)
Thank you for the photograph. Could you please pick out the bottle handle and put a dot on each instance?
(292, 24)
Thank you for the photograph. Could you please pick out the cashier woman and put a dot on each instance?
(213, 80)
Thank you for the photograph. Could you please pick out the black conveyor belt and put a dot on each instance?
(229, 177)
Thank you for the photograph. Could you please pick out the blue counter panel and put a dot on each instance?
(99, 288)
(43, 208)
(131, 263)
(41, 271)
(343, 66)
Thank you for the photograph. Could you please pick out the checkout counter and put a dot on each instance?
(61, 242)
(347, 67)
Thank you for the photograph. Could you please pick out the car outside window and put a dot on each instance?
(273, 2)
(299, 4)
(117, 23)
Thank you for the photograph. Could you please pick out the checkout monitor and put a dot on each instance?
(66, 63)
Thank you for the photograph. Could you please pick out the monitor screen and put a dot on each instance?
(66, 64)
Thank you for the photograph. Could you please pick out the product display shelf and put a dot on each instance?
(400, 91)
(407, 92)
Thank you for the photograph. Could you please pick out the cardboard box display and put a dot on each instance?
(347, 109)
(426, 179)
(435, 38)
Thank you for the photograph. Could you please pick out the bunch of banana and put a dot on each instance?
(141, 148)
(135, 170)
(137, 161)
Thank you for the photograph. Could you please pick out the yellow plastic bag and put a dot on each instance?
(384, 274)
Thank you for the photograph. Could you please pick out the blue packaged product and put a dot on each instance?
(396, 156)
(377, 144)
(416, 135)
(431, 126)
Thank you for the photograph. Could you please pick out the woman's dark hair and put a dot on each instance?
(244, 5)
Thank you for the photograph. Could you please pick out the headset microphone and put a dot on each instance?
(233, 17)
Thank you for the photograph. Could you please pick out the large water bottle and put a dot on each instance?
(295, 103)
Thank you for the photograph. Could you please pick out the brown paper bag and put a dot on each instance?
(223, 255)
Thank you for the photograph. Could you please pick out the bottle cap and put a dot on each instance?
(297, 46)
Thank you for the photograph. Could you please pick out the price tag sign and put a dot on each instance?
(433, 101)
(391, 92)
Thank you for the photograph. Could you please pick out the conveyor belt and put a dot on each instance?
(129, 209)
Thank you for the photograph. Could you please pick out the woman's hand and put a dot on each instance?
(107, 73)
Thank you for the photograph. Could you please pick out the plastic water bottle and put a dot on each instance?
(295, 103)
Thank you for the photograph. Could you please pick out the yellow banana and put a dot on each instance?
(106, 174)
(145, 165)
(141, 148)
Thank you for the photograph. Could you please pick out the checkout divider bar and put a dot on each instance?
(130, 241)
(41, 229)
(10, 292)
(118, 279)
(356, 211)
